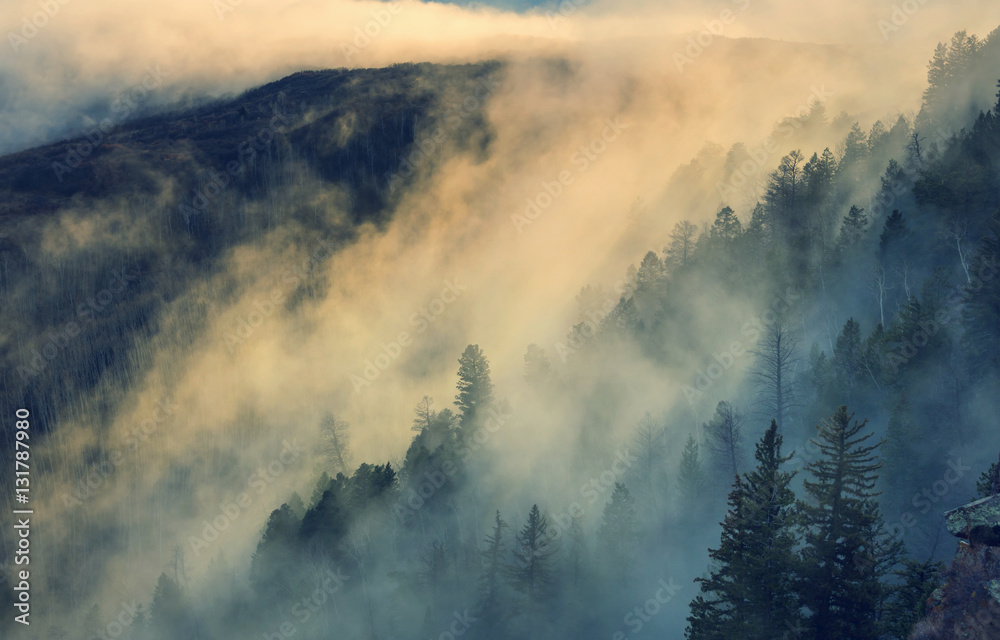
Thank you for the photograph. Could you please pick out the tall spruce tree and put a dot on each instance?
(475, 389)
(532, 573)
(750, 591)
(848, 552)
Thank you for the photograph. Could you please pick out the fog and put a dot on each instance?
(488, 242)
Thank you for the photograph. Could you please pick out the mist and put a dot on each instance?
(549, 152)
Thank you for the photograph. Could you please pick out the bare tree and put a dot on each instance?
(774, 372)
(649, 447)
(724, 440)
(424, 414)
(956, 231)
(334, 445)
(682, 241)
(878, 288)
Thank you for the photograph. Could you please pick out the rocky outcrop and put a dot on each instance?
(977, 522)
(967, 605)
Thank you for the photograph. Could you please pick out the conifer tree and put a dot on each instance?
(690, 477)
(491, 605)
(532, 573)
(848, 553)
(750, 591)
(617, 534)
(475, 388)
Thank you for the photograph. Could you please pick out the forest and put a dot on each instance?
(795, 488)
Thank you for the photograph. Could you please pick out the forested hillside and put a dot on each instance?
(795, 488)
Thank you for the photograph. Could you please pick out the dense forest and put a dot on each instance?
(803, 499)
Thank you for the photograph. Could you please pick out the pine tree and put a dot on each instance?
(848, 358)
(532, 573)
(691, 478)
(537, 368)
(475, 388)
(848, 552)
(852, 229)
(982, 304)
(272, 568)
(167, 609)
(491, 605)
(726, 229)
(915, 582)
(750, 591)
(617, 534)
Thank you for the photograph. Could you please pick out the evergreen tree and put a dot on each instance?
(273, 571)
(750, 591)
(617, 534)
(691, 477)
(915, 582)
(531, 573)
(491, 605)
(475, 389)
(852, 229)
(537, 368)
(167, 611)
(848, 553)
(981, 306)
(893, 231)
(988, 483)
(848, 356)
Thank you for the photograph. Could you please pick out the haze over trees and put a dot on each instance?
(842, 327)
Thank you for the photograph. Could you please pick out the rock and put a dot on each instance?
(994, 589)
(978, 522)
